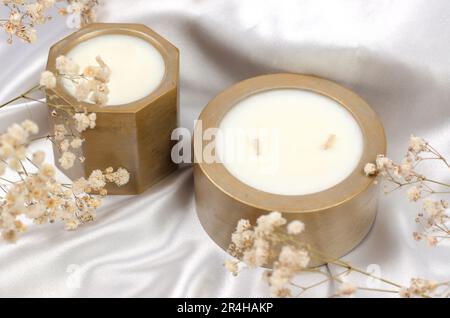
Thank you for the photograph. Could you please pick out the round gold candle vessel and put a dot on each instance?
(336, 219)
(135, 136)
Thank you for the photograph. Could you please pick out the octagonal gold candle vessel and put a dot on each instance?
(134, 135)
(336, 219)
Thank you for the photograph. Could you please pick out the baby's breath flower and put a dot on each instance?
(76, 143)
(433, 208)
(281, 292)
(17, 134)
(46, 170)
(79, 186)
(30, 126)
(293, 257)
(27, 34)
(60, 131)
(370, 169)
(383, 162)
(414, 194)
(6, 150)
(346, 289)
(84, 121)
(417, 144)
(295, 227)
(280, 276)
(82, 90)
(35, 210)
(15, 17)
(10, 28)
(37, 194)
(100, 73)
(47, 3)
(267, 223)
(48, 80)
(418, 288)
(71, 224)
(38, 158)
(243, 225)
(99, 98)
(36, 12)
(406, 168)
(432, 240)
(66, 66)
(96, 180)
(121, 177)
(67, 160)
(15, 164)
(64, 145)
(232, 266)
(258, 255)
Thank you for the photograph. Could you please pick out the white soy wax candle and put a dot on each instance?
(318, 134)
(289, 142)
(137, 67)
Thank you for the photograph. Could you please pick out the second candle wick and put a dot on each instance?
(330, 142)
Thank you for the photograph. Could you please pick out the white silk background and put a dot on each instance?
(395, 54)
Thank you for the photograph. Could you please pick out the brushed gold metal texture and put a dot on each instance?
(135, 136)
(336, 219)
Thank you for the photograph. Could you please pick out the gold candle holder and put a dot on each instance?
(135, 136)
(336, 219)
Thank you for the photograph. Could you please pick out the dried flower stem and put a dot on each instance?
(21, 96)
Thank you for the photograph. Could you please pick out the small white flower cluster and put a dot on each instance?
(91, 84)
(346, 289)
(291, 261)
(68, 143)
(434, 221)
(80, 12)
(419, 288)
(387, 168)
(98, 179)
(25, 15)
(436, 215)
(275, 243)
(84, 121)
(254, 245)
(13, 145)
(37, 195)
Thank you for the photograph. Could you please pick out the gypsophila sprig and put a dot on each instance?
(273, 242)
(89, 84)
(434, 217)
(24, 15)
(36, 193)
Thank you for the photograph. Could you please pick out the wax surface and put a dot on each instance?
(289, 142)
(137, 67)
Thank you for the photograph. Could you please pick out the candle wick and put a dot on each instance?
(257, 147)
(330, 142)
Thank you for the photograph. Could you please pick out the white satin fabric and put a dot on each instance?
(395, 54)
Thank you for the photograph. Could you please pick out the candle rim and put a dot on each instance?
(354, 184)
